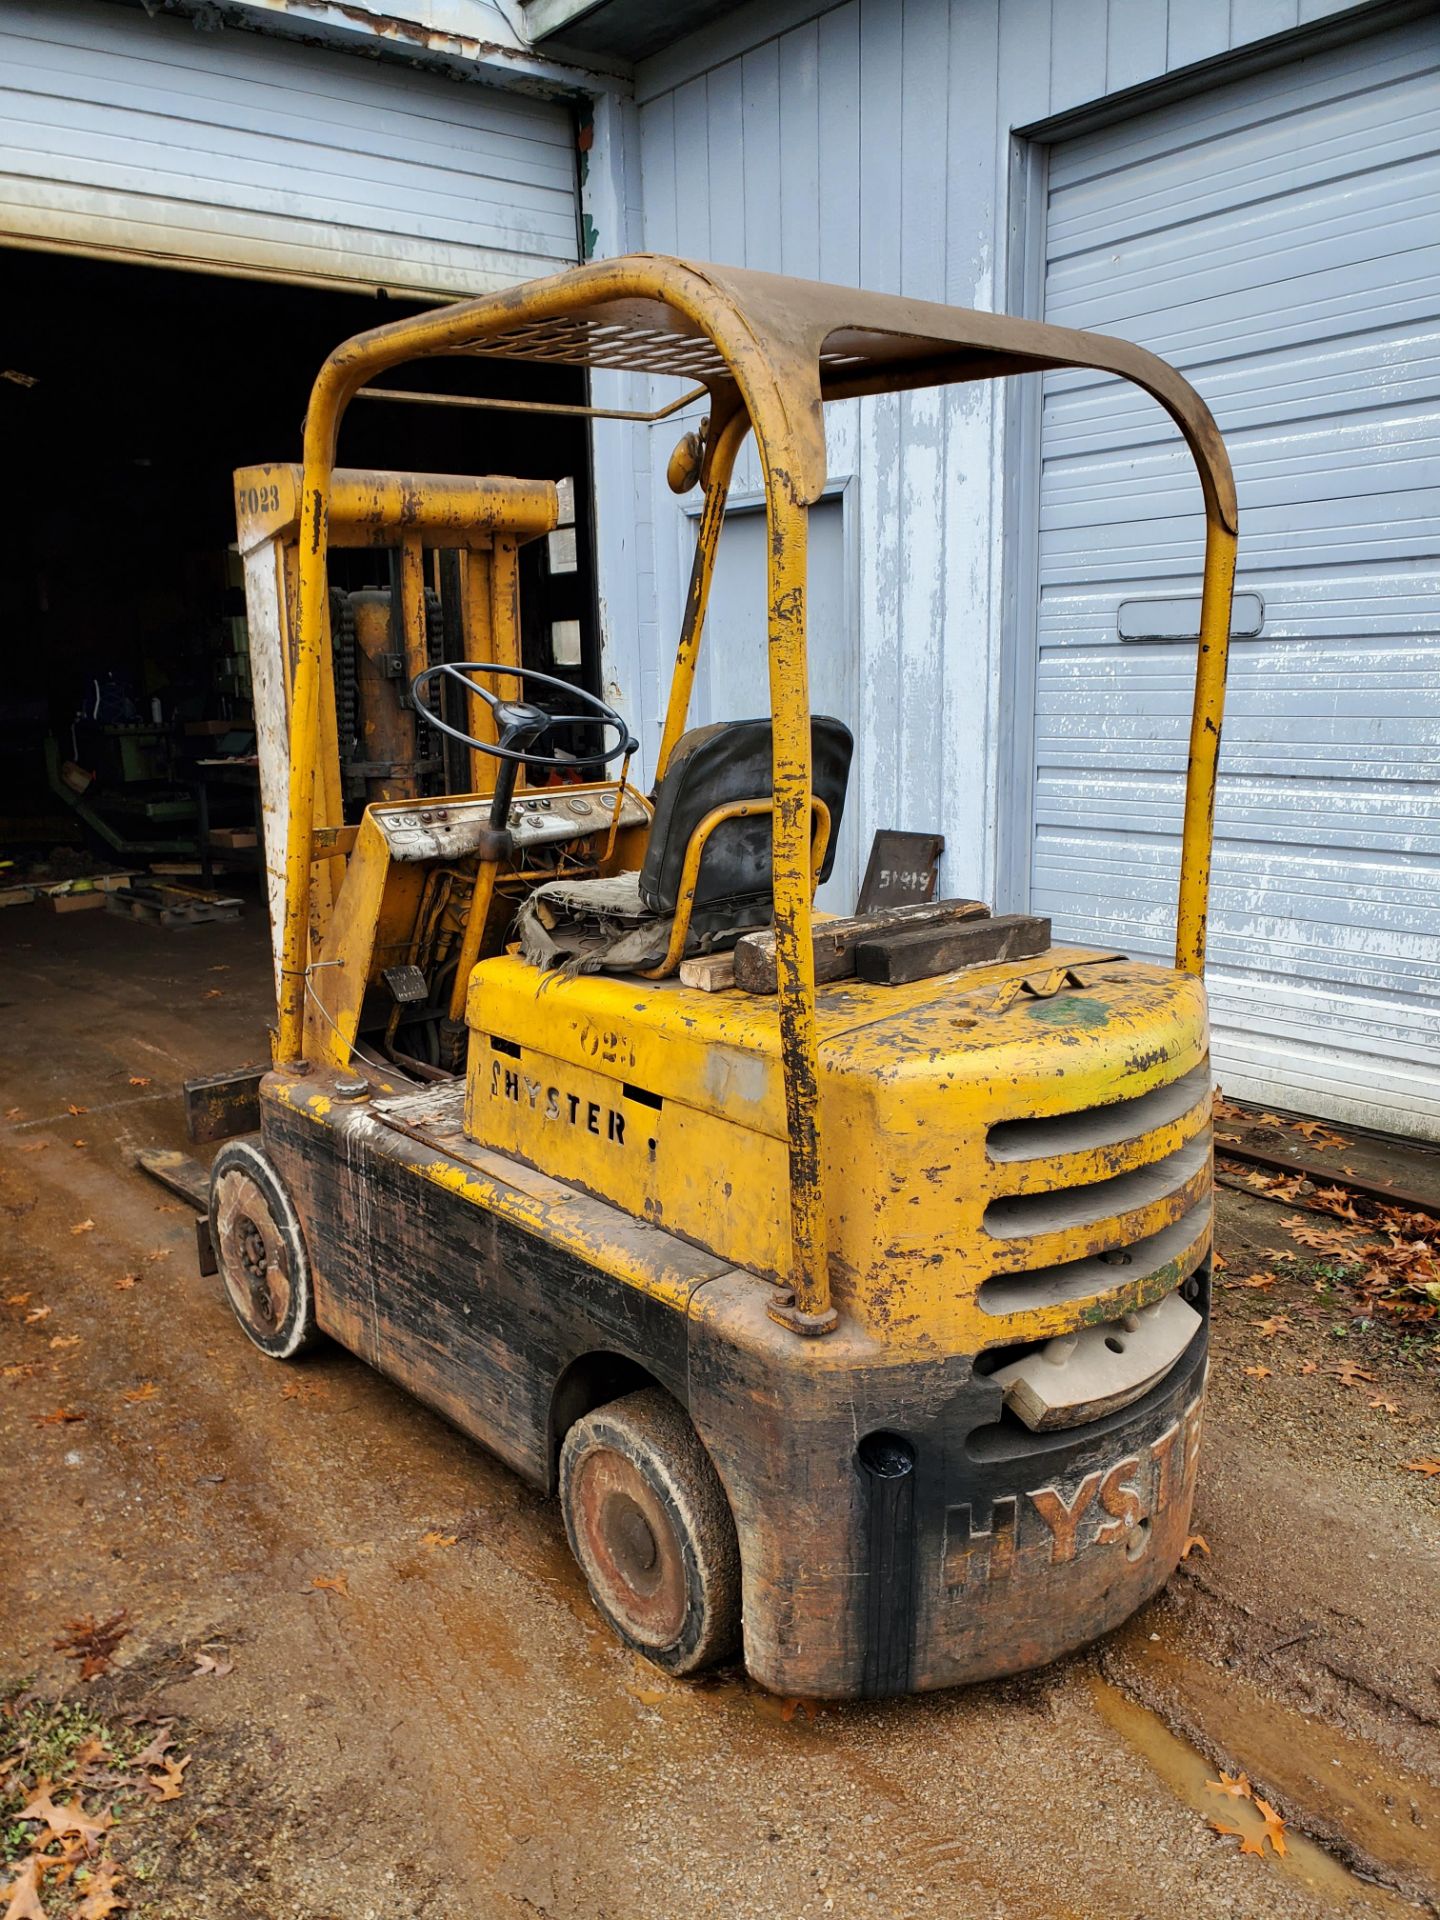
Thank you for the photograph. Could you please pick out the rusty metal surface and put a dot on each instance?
(221, 1105)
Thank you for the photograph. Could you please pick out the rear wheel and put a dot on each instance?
(649, 1523)
(261, 1251)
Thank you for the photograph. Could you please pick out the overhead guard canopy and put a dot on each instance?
(808, 341)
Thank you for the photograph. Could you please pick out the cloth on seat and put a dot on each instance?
(603, 926)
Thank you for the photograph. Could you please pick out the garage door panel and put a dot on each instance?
(1146, 146)
(1187, 189)
(1279, 239)
(244, 120)
(127, 134)
(173, 232)
(1343, 378)
(352, 198)
(1313, 604)
(225, 71)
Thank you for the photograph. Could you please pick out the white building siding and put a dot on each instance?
(143, 138)
(1279, 240)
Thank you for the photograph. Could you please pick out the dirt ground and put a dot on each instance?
(449, 1732)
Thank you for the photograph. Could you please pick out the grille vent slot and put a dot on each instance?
(1073, 1280)
(1024, 1215)
(1011, 1140)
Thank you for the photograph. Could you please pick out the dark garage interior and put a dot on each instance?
(129, 394)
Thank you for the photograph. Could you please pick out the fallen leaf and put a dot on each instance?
(1236, 1785)
(1337, 1200)
(1258, 1373)
(1310, 1366)
(147, 1390)
(169, 1783)
(16, 1299)
(1249, 1843)
(83, 1226)
(77, 1110)
(332, 1583)
(160, 1253)
(92, 1642)
(89, 1751)
(23, 1893)
(154, 1754)
(102, 1898)
(1350, 1375)
(789, 1708)
(1320, 1239)
(139, 1079)
(1319, 1135)
(1276, 1186)
(1258, 1281)
(61, 1417)
(64, 1340)
(1274, 1824)
(34, 1146)
(14, 1113)
(207, 1663)
(438, 1539)
(169, 1206)
(1424, 1465)
(1195, 1540)
(79, 1143)
(224, 967)
(71, 1818)
(1385, 1406)
(36, 1313)
(1277, 1323)
(214, 993)
(126, 1281)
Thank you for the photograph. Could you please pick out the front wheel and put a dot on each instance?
(261, 1251)
(650, 1526)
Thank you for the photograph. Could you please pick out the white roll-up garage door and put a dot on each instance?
(143, 138)
(1278, 239)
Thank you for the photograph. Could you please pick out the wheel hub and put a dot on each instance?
(633, 1553)
(251, 1253)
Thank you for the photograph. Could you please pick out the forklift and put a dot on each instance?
(847, 1279)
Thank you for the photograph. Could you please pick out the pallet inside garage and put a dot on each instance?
(171, 906)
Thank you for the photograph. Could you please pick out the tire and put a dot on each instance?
(651, 1529)
(261, 1252)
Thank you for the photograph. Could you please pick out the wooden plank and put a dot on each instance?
(835, 941)
(710, 972)
(896, 957)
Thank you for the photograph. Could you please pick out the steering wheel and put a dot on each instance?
(520, 723)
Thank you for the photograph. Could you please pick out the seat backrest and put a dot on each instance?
(710, 767)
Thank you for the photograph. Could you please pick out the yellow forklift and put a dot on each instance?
(848, 1279)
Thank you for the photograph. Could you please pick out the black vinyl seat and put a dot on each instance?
(710, 767)
(622, 923)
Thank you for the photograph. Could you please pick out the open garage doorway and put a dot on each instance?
(128, 397)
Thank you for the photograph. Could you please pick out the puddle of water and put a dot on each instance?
(1346, 1784)
(1186, 1773)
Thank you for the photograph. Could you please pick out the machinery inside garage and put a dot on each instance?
(130, 395)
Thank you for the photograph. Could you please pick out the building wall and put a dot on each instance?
(873, 142)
